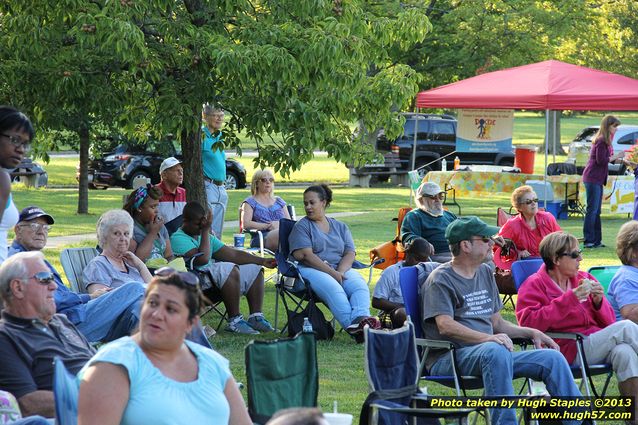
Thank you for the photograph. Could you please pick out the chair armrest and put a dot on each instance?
(434, 343)
(566, 335)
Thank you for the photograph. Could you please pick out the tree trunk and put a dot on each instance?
(193, 171)
(83, 193)
(553, 130)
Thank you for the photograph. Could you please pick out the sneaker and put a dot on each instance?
(589, 245)
(600, 245)
(240, 326)
(259, 323)
(355, 330)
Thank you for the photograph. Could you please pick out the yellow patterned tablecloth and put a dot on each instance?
(473, 183)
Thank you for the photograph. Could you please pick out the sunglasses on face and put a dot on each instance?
(188, 278)
(530, 201)
(36, 226)
(439, 196)
(43, 278)
(574, 254)
(267, 180)
(17, 141)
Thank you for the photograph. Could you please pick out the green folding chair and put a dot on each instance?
(281, 374)
(603, 274)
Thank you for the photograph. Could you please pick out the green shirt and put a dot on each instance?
(182, 243)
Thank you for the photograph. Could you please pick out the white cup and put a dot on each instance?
(338, 418)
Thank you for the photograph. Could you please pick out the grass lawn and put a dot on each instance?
(340, 360)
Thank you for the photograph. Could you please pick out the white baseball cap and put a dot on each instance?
(169, 162)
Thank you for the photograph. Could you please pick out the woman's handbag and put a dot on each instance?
(320, 326)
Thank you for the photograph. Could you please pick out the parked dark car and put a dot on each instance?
(128, 162)
(30, 173)
(436, 137)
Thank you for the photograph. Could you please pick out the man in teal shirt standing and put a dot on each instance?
(214, 164)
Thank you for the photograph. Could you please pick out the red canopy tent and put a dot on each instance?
(552, 85)
(548, 85)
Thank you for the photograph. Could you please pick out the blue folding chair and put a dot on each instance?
(392, 367)
(65, 394)
(522, 269)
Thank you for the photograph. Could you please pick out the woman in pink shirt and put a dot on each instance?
(526, 230)
(560, 298)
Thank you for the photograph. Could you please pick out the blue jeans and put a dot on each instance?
(592, 230)
(114, 314)
(498, 367)
(218, 203)
(346, 302)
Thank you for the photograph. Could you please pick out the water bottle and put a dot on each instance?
(307, 326)
(443, 165)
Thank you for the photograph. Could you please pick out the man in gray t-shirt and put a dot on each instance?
(460, 304)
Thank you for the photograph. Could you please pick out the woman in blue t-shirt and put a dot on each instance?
(156, 376)
(16, 133)
(263, 210)
(325, 251)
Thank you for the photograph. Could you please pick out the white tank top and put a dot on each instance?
(9, 219)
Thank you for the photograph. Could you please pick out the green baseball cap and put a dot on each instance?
(462, 229)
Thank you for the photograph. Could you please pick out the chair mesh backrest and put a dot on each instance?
(281, 374)
(409, 281)
(65, 393)
(603, 274)
(282, 254)
(522, 269)
(73, 261)
(391, 359)
(502, 216)
(558, 168)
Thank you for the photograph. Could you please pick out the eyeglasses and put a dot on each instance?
(485, 239)
(573, 254)
(216, 116)
(43, 278)
(266, 180)
(17, 141)
(440, 196)
(187, 278)
(530, 201)
(36, 226)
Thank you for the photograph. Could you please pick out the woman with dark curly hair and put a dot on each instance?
(325, 251)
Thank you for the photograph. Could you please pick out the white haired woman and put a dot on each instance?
(116, 265)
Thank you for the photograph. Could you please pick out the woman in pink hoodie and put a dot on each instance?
(560, 298)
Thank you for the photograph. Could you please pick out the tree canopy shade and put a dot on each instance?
(294, 74)
(545, 85)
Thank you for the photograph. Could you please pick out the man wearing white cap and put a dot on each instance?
(429, 221)
(172, 202)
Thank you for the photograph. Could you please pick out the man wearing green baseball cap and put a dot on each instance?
(461, 304)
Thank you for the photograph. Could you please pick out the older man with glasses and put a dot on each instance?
(32, 334)
(104, 315)
(214, 164)
(429, 221)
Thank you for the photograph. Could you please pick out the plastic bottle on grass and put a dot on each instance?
(307, 326)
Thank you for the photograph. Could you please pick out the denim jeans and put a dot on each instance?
(218, 203)
(499, 367)
(346, 302)
(114, 314)
(592, 230)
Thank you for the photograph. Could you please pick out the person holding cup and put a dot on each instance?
(561, 298)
